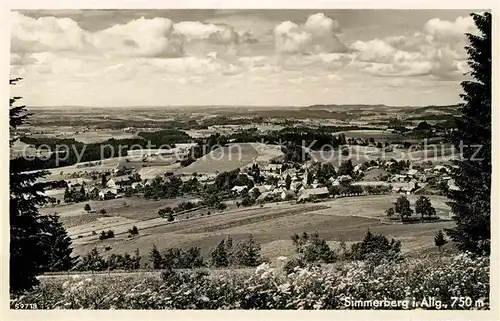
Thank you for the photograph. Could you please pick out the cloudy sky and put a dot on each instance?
(239, 57)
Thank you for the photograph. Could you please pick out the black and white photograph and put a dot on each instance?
(250, 159)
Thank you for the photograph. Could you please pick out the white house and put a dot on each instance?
(239, 188)
(136, 185)
(344, 178)
(452, 186)
(438, 168)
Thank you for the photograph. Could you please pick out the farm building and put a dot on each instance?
(140, 153)
(307, 194)
(119, 181)
(440, 168)
(206, 177)
(396, 189)
(124, 167)
(136, 185)
(261, 188)
(412, 172)
(264, 196)
(107, 194)
(78, 182)
(410, 187)
(341, 179)
(287, 195)
(276, 168)
(345, 178)
(238, 189)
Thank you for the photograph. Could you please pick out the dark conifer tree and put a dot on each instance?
(28, 230)
(55, 245)
(156, 259)
(471, 204)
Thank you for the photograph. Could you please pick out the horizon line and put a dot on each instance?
(243, 106)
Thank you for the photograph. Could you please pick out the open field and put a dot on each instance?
(378, 135)
(232, 157)
(90, 137)
(360, 154)
(134, 208)
(153, 171)
(342, 219)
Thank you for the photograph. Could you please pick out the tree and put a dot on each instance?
(219, 256)
(346, 168)
(309, 178)
(87, 208)
(402, 207)
(92, 261)
(170, 217)
(440, 240)
(313, 248)
(103, 211)
(133, 231)
(375, 244)
(471, 204)
(82, 191)
(156, 259)
(103, 181)
(27, 227)
(389, 212)
(247, 253)
(56, 246)
(424, 207)
(288, 181)
(67, 195)
(192, 258)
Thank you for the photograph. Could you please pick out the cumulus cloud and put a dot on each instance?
(216, 33)
(316, 35)
(142, 37)
(437, 50)
(46, 34)
(449, 30)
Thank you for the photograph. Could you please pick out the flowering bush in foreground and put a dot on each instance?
(326, 287)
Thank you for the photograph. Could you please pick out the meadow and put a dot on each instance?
(342, 219)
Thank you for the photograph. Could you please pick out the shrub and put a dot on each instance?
(313, 248)
(87, 208)
(220, 255)
(292, 264)
(375, 245)
(440, 240)
(106, 235)
(247, 253)
(267, 288)
(133, 231)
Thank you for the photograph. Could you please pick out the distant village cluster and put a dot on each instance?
(257, 183)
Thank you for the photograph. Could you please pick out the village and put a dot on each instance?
(279, 181)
